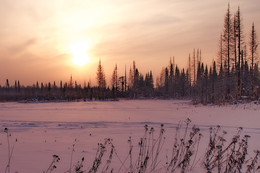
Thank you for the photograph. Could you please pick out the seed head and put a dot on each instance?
(6, 130)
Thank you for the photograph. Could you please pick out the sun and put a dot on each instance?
(79, 50)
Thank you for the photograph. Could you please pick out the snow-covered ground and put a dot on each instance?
(39, 130)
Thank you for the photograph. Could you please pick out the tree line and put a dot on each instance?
(233, 76)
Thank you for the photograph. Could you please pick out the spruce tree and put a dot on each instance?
(101, 81)
(227, 44)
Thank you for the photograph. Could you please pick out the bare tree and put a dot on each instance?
(238, 41)
(253, 44)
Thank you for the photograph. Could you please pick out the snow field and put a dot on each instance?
(39, 130)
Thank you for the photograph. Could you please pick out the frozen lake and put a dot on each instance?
(39, 130)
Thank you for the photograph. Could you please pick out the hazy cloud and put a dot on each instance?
(35, 35)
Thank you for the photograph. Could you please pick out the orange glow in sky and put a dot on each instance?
(48, 40)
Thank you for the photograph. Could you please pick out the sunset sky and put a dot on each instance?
(39, 40)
